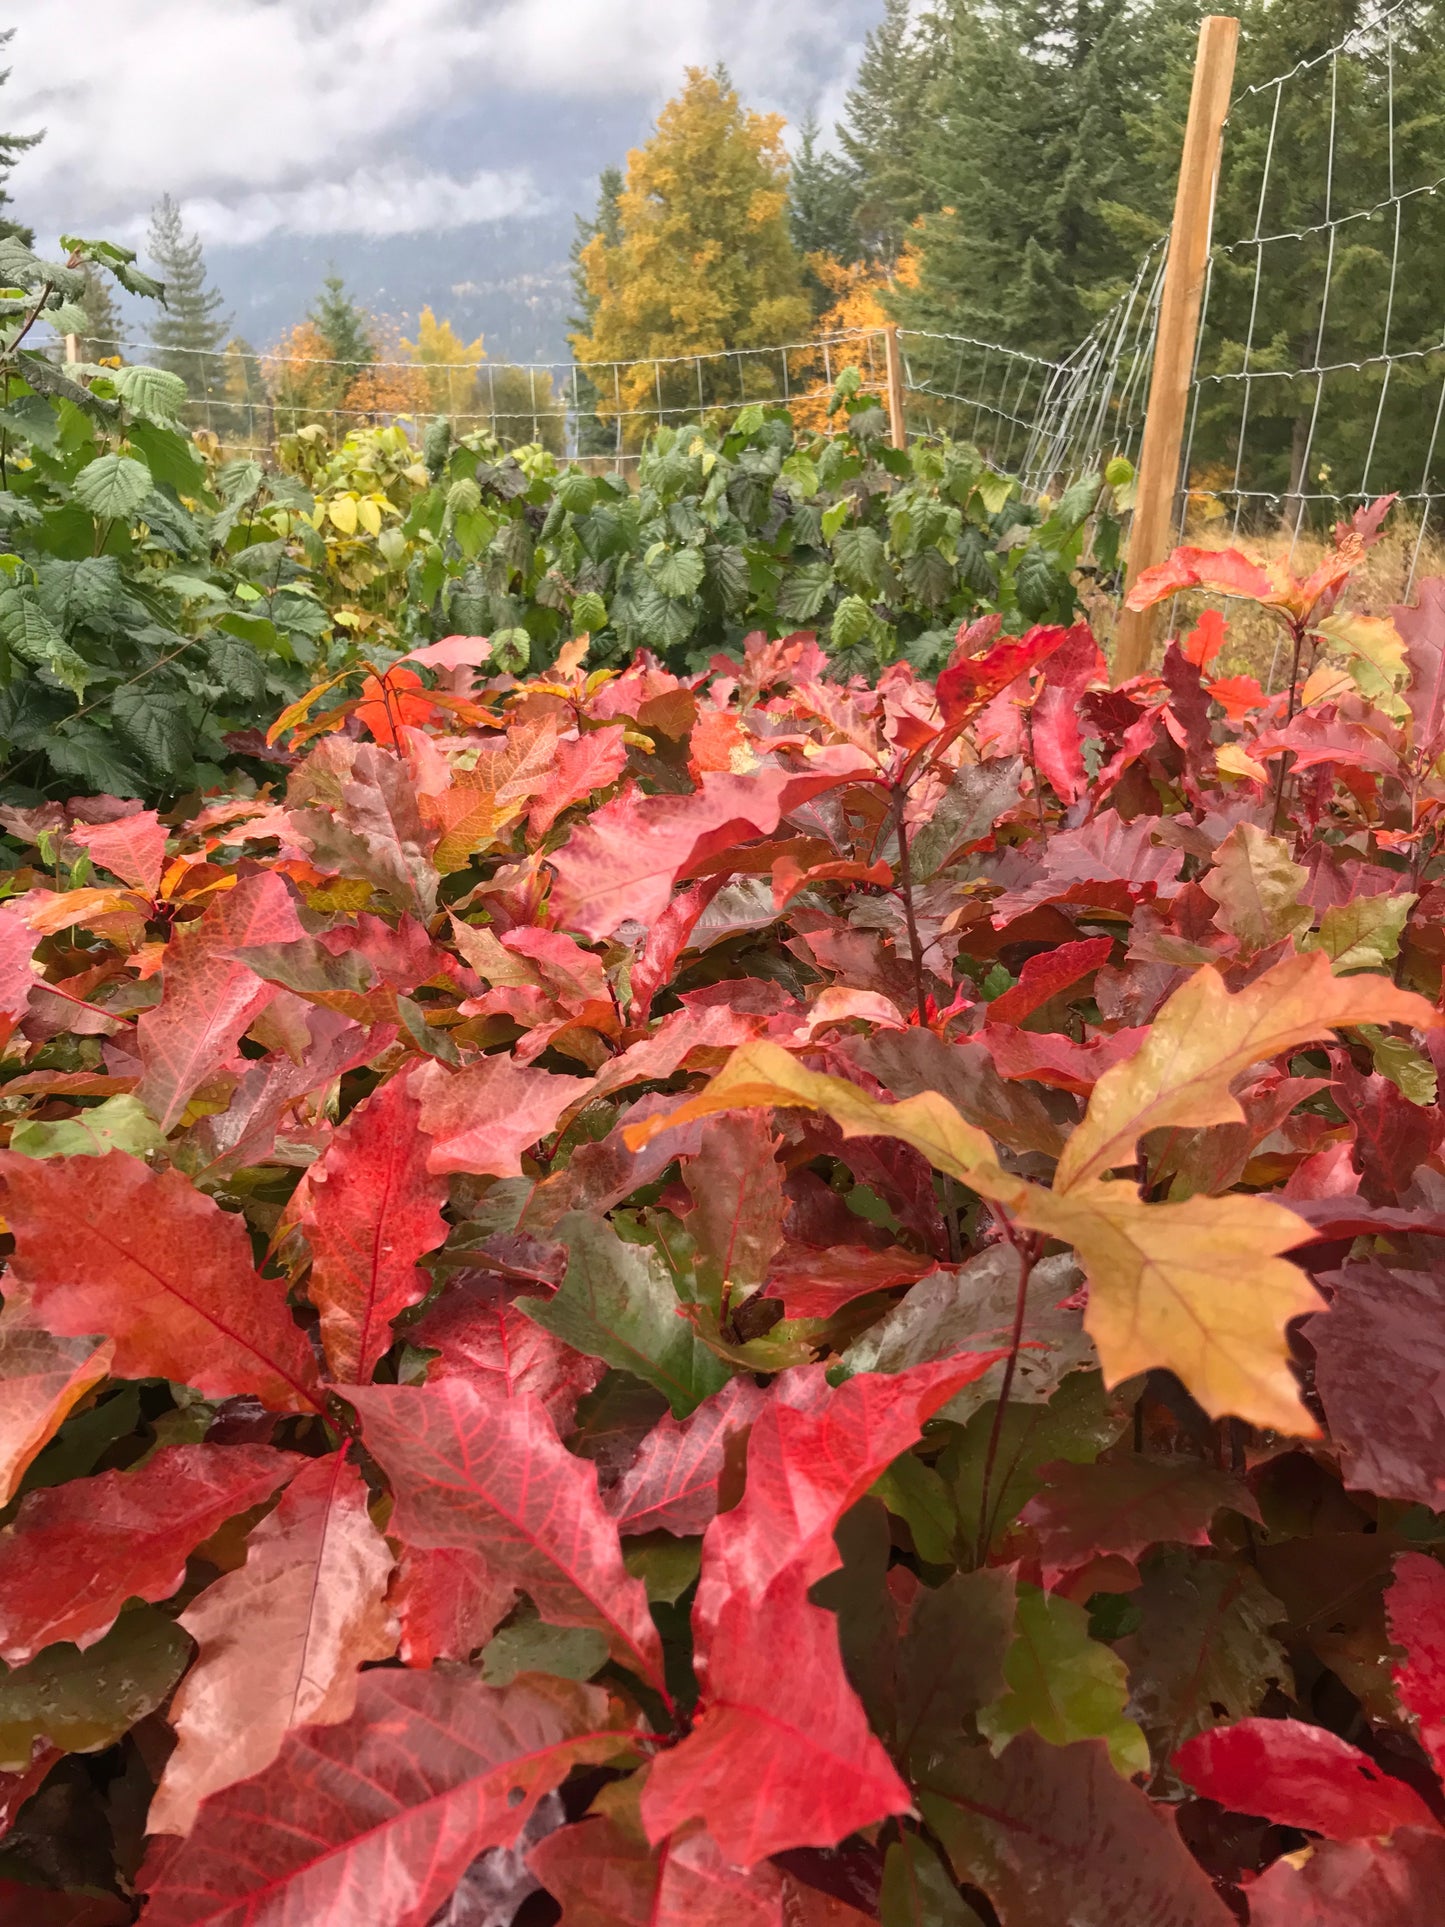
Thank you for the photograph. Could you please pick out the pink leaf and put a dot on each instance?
(1415, 1604)
(483, 1118)
(133, 849)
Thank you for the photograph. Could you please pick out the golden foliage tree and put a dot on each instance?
(450, 364)
(703, 265)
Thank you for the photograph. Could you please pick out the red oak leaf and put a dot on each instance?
(1299, 1776)
(23, 1905)
(815, 1284)
(75, 1553)
(1415, 1605)
(970, 683)
(1045, 975)
(1316, 736)
(666, 940)
(483, 1118)
(605, 1875)
(1109, 865)
(1123, 1508)
(207, 998)
(280, 1639)
(479, 1471)
(780, 1754)
(41, 1377)
(372, 1209)
(622, 862)
(19, 973)
(736, 1185)
(133, 849)
(1423, 630)
(108, 1245)
(482, 1338)
(392, 700)
(430, 1770)
(580, 765)
(672, 1484)
(1048, 1057)
(1225, 571)
(447, 1603)
(1355, 1883)
(452, 652)
(1052, 1834)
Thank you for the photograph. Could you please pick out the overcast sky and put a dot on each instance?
(330, 118)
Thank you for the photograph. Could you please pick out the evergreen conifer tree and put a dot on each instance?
(1024, 143)
(594, 436)
(104, 331)
(12, 146)
(884, 127)
(346, 330)
(187, 338)
(822, 209)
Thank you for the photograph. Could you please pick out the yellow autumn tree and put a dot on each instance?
(703, 264)
(852, 327)
(449, 364)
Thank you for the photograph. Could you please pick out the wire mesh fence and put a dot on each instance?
(1319, 378)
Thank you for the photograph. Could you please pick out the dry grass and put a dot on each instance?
(1391, 573)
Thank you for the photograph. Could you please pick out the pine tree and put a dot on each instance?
(704, 264)
(884, 128)
(1023, 142)
(12, 146)
(104, 332)
(594, 436)
(823, 193)
(189, 336)
(345, 328)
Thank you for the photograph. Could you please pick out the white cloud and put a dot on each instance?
(374, 200)
(269, 115)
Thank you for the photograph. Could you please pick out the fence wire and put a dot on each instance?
(1319, 378)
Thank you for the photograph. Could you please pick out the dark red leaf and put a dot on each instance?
(1299, 1776)
(1379, 1363)
(371, 1823)
(736, 1185)
(75, 1553)
(372, 1209)
(25, 1906)
(1109, 865)
(108, 1245)
(481, 1472)
(1123, 1507)
(815, 1284)
(1052, 1834)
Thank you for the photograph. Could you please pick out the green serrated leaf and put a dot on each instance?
(156, 723)
(676, 572)
(155, 394)
(858, 557)
(113, 486)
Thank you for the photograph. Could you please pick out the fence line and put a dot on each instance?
(1297, 390)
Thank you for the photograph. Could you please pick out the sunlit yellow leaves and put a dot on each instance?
(762, 1075)
(1197, 1288)
(1205, 1036)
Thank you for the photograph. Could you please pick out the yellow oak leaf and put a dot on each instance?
(762, 1075)
(1202, 1039)
(1198, 1288)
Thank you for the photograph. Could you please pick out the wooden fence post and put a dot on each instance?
(893, 362)
(1174, 344)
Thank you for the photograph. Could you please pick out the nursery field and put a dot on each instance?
(696, 1234)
